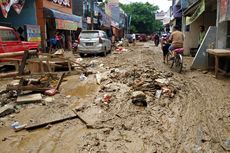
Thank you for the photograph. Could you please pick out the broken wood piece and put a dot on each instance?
(15, 54)
(64, 58)
(39, 125)
(27, 88)
(29, 98)
(52, 92)
(23, 63)
(9, 74)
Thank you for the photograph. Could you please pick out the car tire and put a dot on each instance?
(105, 52)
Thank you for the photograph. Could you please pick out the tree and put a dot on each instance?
(142, 17)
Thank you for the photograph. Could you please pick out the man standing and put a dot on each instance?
(134, 39)
(177, 39)
(201, 36)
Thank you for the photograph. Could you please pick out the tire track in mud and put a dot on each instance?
(198, 124)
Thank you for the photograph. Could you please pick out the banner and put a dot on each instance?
(66, 24)
(62, 2)
(200, 9)
(5, 6)
(224, 13)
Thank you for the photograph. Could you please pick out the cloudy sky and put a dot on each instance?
(163, 4)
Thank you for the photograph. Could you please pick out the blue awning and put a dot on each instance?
(51, 13)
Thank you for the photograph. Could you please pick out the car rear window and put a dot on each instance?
(8, 35)
(89, 34)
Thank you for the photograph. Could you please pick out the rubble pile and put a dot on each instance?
(25, 90)
(133, 112)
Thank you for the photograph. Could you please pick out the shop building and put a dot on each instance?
(56, 16)
(23, 18)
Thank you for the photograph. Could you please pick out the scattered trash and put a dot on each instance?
(93, 63)
(83, 77)
(6, 110)
(49, 99)
(78, 60)
(226, 145)
(59, 52)
(121, 49)
(162, 82)
(29, 98)
(68, 96)
(139, 98)
(165, 89)
(17, 127)
(52, 92)
(158, 94)
(107, 98)
(98, 77)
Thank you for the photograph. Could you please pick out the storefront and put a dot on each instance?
(63, 23)
(56, 16)
(21, 15)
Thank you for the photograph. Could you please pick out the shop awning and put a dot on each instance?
(51, 13)
(196, 10)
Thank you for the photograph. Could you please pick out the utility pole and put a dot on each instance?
(92, 13)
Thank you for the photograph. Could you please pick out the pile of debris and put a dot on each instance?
(26, 90)
(141, 83)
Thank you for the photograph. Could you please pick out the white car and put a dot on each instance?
(94, 42)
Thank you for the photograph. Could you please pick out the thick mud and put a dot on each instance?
(193, 117)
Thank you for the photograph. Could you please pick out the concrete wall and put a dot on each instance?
(221, 35)
(191, 38)
(221, 31)
(27, 15)
(201, 59)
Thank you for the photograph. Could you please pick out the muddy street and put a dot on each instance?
(130, 102)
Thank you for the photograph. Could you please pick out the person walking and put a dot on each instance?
(134, 39)
(58, 38)
(164, 46)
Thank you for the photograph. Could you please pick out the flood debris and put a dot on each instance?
(6, 110)
(139, 98)
(226, 145)
(17, 126)
(22, 99)
(43, 124)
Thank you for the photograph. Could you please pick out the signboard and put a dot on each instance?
(33, 33)
(224, 13)
(200, 9)
(66, 24)
(62, 2)
(5, 6)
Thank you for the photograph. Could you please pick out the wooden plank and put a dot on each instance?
(23, 63)
(29, 98)
(60, 81)
(219, 52)
(15, 54)
(27, 88)
(10, 74)
(35, 126)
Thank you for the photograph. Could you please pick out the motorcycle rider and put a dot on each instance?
(177, 39)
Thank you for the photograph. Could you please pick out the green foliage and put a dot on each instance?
(142, 17)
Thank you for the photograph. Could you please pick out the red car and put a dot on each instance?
(10, 41)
